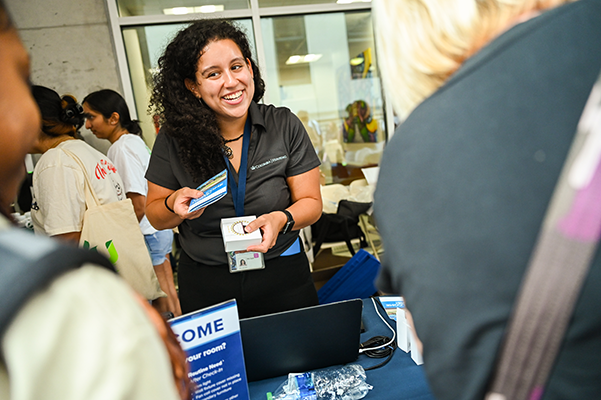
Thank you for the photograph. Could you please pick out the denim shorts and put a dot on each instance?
(159, 245)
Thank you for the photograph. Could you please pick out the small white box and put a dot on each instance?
(234, 236)
(416, 355)
(402, 331)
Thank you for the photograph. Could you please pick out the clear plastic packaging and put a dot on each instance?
(339, 383)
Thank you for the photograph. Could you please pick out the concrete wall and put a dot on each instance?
(70, 46)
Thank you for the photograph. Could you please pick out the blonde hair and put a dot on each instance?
(422, 42)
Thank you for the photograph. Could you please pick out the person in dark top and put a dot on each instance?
(207, 94)
(492, 94)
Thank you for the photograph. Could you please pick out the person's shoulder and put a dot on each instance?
(82, 294)
(579, 6)
(57, 157)
(86, 286)
(94, 318)
(49, 157)
(131, 143)
(274, 117)
(272, 110)
(95, 162)
(131, 139)
(81, 148)
(568, 15)
(570, 21)
(163, 139)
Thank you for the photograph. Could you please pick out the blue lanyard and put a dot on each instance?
(238, 190)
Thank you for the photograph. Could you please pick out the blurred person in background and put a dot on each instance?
(59, 200)
(108, 117)
(82, 334)
(491, 92)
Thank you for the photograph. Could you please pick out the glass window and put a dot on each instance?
(282, 3)
(128, 8)
(331, 85)
(321, 66)
(143, 47)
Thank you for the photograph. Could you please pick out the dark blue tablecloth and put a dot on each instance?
(400, 379)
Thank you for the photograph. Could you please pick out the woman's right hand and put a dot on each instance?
(181, 202)
(178, 201)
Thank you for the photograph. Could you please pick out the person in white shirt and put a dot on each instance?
(83, 335)
(108, 117)
(58, 182)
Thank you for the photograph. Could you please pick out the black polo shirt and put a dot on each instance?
(279, 148)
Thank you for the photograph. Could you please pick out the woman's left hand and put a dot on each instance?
(270, 224)
(306, 208)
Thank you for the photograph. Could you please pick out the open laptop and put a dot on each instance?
(301, 340)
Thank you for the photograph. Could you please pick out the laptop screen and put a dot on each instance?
(301, 340)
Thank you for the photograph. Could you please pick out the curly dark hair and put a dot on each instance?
(182, 116)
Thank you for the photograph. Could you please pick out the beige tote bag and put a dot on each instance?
(113, 230)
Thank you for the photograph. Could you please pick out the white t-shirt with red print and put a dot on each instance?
(131, 157)
(58, 187)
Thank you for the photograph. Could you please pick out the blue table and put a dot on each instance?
(400, 379)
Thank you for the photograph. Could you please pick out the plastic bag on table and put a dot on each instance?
(338, 383)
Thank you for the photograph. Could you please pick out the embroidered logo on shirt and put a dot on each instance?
(263, 164)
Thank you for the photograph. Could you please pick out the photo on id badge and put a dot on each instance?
(245, 260)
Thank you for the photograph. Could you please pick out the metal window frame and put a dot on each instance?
(255, 12)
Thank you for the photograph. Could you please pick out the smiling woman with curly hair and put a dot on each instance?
(206, 94)
(181, 113)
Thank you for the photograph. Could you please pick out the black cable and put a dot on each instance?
(379, 346)
(382, 349)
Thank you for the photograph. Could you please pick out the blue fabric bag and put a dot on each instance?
(354, 280)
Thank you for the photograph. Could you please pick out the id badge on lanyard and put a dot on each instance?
(239, 261)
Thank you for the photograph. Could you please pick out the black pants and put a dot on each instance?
(284, 284)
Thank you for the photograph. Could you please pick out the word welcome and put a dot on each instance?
(208, 329)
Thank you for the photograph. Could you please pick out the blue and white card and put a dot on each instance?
(213, 190)
(213, 345)
(391, 303)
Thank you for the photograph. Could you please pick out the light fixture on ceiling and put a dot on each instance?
(209, 9)
(191, 10)
(307, 58)
(352, 1)
(293, 60)
(178, 10)
(311, 57)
